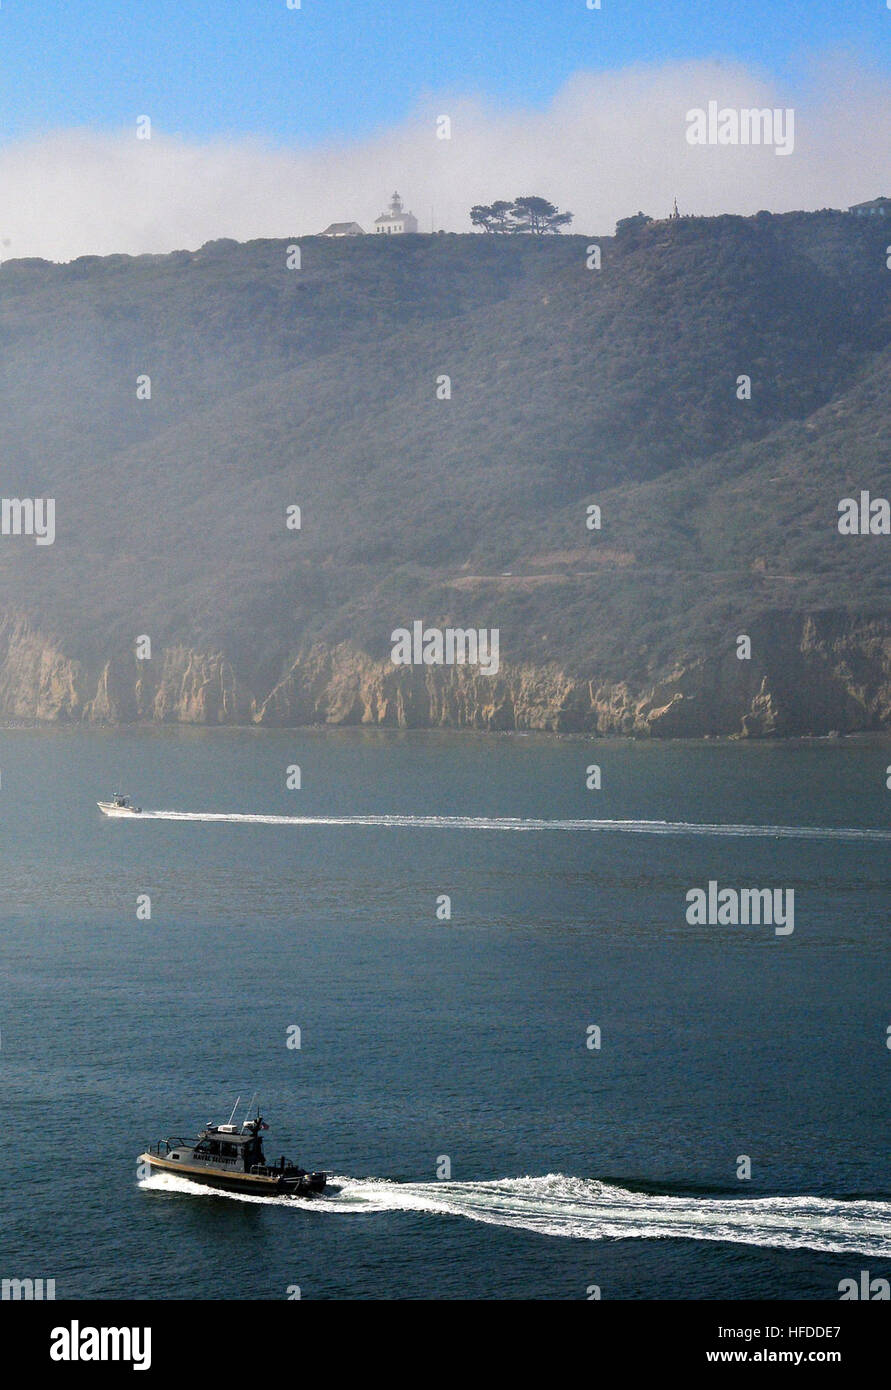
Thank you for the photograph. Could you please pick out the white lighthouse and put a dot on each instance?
(396, 219)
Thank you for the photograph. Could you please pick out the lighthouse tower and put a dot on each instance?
(396, 219)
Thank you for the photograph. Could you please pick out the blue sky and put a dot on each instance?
(270, 122)
(343, 68)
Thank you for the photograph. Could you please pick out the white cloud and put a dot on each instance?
(608, 144)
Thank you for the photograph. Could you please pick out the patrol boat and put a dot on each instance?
(230, 1157)
(119, 806)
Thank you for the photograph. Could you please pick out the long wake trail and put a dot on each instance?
(527, 824)
(584, 1209)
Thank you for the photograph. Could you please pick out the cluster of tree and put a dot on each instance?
(638, 219)
(530, 215)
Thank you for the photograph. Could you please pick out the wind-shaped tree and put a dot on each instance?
(530, 215)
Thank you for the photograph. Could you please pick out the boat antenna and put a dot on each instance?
(234, 1108)
(248, 1111)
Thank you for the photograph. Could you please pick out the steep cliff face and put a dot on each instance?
(182, 686)
(37, 679)
(826, 672)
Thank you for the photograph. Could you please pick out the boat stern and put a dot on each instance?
(305, 1185)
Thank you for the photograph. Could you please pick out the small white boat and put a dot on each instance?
(119, 806)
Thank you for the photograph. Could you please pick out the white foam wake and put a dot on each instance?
(584, 1209)
(628, 827)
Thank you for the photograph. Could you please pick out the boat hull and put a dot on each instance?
(108, 808)
(255, 1184)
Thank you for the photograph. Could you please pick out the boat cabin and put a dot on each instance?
(221, 1146)
(228, 1144)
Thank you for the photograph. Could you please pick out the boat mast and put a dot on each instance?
(234, 1108)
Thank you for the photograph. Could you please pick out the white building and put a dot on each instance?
(879, 207)
(343, 229)
(396, 219)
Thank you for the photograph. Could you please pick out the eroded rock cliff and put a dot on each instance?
(813, 675)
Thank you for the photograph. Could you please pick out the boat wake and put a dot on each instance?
(627, 827)
(584, 1209)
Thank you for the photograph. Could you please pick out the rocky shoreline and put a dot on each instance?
(816, 675)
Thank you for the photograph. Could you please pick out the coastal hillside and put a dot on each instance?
(462, 503)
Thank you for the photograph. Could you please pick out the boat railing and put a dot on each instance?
(173, 1141)
(274, 1170)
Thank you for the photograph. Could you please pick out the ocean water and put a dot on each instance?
(459, 1044)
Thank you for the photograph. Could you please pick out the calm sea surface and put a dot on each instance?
(458, 1044)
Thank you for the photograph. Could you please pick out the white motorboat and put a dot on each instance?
(119, 806)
